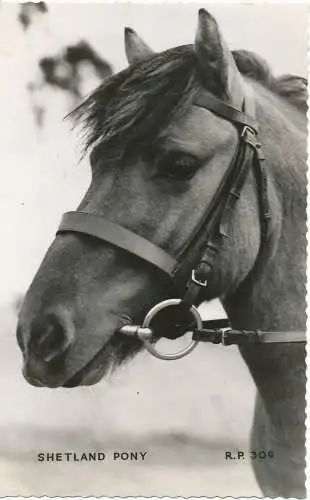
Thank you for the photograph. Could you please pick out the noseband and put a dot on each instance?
(216, 223)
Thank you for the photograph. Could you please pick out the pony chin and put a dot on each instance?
(87, 377)
(118, 349)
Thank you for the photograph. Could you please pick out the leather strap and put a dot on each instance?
(245, 162)
(227, 336)
(274, 337)
(216, 323)
(248, 153)
(94, 225)
(208, 101)
(225, 201)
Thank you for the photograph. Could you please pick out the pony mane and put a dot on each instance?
(291, 87)
(141, 101)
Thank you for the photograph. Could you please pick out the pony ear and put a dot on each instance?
(136, 49)
(217, 66)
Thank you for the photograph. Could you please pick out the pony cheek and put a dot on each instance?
(237, 260)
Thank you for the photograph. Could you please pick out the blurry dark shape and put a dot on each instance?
(63, 71)
(39, 114)
(76, 69)
(57, 73)
(27, 10)
(81, 52)
(39, 111)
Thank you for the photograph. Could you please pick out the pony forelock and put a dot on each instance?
(139, 102)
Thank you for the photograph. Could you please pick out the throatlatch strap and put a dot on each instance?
(94, 225)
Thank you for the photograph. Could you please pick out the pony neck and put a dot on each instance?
(273, 296)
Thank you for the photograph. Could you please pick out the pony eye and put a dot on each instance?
(177, 166)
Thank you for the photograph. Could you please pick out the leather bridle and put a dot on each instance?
(216, 223)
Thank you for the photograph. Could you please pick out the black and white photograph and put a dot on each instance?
(153, 249)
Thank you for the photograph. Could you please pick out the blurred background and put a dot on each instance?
(186, 413)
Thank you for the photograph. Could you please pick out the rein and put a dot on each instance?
(216, 222)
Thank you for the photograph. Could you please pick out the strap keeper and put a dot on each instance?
(225, 336)
(197, 281)
(259, 152)
(267, 215)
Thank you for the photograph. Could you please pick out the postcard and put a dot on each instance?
(153, 249)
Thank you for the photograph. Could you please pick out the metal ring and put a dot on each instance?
(146, 323)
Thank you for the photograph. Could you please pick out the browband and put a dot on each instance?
(218, 107)
(94, 225)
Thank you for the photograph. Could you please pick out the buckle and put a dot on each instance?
(202, 283)
(249, 136)
(247, 129)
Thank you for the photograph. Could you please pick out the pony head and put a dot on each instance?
(157, 161)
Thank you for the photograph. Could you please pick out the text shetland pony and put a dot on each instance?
(156, 163)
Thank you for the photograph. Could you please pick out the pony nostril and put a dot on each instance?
(52, 336)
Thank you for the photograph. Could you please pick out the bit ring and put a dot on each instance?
(146, 324)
